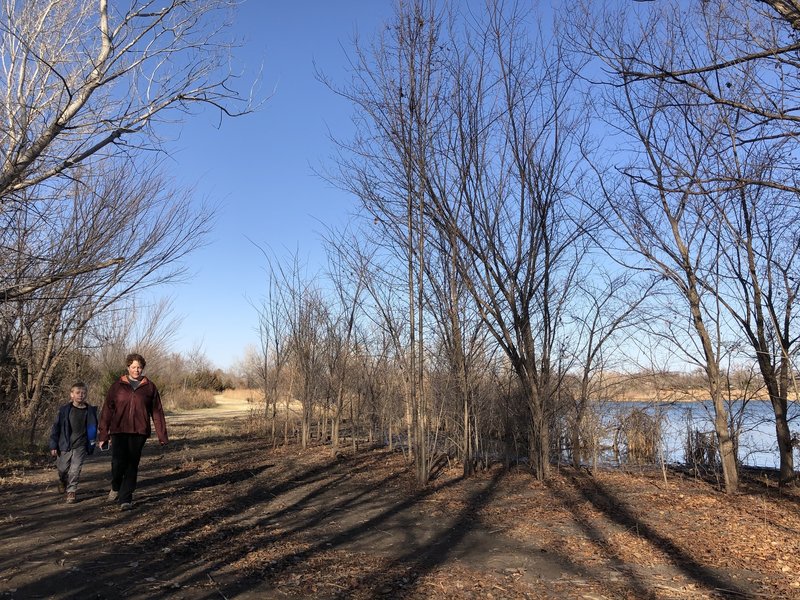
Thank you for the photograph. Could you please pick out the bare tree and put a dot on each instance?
(517, 133)
(82, 78)
(475, 129)
(86, 222)
(459, 345)
(273, 351)
(131, 325)
(660, 212)
(738, 98)
(725, 47)
(397, 87)
(761, 287)
(302, 308)
(347, 271)
(90, 81)
(108, 214)
(384, 340)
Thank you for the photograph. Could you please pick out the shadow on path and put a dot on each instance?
(587, 488)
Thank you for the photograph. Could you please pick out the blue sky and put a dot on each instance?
(258, 168)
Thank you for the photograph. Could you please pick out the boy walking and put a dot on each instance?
(72, 439)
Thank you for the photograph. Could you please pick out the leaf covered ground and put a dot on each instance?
(221, 515)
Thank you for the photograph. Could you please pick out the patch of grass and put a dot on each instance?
(16, 465)
(251, 395)
(256, 424)
(188, 399)
(16, 451)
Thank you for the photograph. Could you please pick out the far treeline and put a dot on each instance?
(547, 196)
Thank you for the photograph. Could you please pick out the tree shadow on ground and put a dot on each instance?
(422, 550)
(588, 489)
(398, 579)
(390, 515)
(118, 561)
(756, 483)
(288, 514)
(254, 520)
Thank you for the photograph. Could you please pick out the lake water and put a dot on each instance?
(757, 444)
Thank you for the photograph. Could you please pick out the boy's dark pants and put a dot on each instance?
(126, 450)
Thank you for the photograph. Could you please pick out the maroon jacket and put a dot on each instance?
(129, 411)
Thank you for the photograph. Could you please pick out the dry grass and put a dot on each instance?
(256, 398)
(250, 395)
(188, 399)
(639, 388)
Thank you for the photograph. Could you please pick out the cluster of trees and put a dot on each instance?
(548, 197)
(706, 95)
(88, 219)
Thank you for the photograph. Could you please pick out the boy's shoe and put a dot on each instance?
(112, 496)
(126, 506)
(70, 497)
(62, 487)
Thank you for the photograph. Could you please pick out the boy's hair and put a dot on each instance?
(79, 384)
(133, 356)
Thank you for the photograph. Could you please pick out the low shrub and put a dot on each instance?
(700, 449)
(638, 436)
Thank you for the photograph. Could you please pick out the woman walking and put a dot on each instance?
(131, 402)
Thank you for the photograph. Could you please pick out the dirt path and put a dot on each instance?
(219, 516)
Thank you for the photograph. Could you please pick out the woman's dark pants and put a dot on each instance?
(126, 450)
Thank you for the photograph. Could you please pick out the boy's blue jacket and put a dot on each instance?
(61, 431)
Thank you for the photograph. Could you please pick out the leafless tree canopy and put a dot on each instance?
(103, 217)
(703, 98)
(88, 220)
(93, 78)
(550, 197)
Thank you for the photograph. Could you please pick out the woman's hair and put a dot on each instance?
(133, 356)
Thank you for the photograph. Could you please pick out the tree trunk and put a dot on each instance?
(539, 444)
(784, 437)
(576, 435)
(469, 463)
(305, 426)
(337, 415)
(335, 431)
(727, 452)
